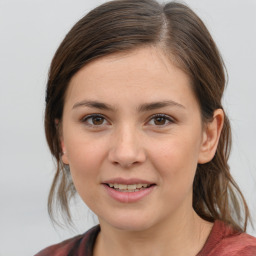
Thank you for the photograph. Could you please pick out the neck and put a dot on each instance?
(177, 236)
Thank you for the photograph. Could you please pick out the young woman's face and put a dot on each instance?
(132, 121)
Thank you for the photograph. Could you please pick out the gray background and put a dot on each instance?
(30, 32)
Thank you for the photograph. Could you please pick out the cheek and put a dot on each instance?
(176, 160)
(84, 168)
(85, 160)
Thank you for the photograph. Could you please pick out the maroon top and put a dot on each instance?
(222, 241)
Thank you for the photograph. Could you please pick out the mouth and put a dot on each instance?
(128, 188)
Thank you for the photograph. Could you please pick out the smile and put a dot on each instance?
(128, 191)
(128, 188)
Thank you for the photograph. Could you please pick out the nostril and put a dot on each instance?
(126, 156)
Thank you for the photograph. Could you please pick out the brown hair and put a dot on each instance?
(124, 25)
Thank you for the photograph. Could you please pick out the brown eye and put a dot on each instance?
(97, 120)
(94, 120)
(160, 120)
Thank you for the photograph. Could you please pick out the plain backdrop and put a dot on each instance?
(30, 32)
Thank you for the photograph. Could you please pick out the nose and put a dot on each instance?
(126, 148)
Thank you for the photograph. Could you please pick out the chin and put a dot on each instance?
(132, 223)
(131, 227)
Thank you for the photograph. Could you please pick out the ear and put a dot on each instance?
(61, 140)
(211, 135)
(64, 155)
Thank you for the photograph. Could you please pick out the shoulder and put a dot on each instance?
(78, 245)
(226, 241)
(239, 245)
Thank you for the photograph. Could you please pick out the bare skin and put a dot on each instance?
(179, 240)
(134, 117)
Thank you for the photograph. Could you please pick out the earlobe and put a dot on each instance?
(63, 148)
(64, 156)
(211, 135)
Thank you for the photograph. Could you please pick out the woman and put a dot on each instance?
(135, 122)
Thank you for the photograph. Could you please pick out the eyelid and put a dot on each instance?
(167, 117)
(85, 118)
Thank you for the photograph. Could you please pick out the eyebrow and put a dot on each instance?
(93, 104)
(142, 108)
(161, 104)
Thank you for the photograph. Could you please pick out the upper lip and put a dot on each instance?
(127, 181)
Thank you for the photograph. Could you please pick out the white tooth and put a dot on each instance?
(122, 186)
(131, 187)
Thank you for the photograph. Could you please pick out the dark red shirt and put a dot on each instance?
(222, 241)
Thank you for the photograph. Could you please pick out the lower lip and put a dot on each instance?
(128, 197)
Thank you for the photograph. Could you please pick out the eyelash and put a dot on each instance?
(86, 118)
(164, 116)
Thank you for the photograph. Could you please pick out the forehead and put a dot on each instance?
(144, 74)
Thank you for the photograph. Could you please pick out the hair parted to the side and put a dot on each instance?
(124, 25)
